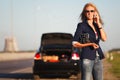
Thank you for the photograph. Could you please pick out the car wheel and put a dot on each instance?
(36, 77)
(75, 76)
(78, 76)
(72, 77)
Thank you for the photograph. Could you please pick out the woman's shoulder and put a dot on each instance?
(80, 24)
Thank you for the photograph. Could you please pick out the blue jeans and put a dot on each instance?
(92, 67)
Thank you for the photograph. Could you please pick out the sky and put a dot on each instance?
(26, 20)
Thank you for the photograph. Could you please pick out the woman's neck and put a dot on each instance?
(90, 22)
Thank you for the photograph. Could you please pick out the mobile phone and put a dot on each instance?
(94, 18)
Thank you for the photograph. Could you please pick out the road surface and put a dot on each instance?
(20, 70)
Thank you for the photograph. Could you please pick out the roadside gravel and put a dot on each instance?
(107, 74)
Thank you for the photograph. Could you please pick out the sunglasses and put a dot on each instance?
(89, 11)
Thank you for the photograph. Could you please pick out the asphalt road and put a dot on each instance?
(20, 70)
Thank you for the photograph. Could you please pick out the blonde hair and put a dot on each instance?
(82, 15)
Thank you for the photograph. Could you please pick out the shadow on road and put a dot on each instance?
(16, 75)
(29, 76)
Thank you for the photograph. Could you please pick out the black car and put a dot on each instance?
(56, 56)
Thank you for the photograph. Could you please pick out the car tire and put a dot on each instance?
(78, 76)
(36, 77)
(75, 76)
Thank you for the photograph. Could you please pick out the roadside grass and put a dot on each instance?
(115, 64)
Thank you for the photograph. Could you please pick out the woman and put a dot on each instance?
(91, 54)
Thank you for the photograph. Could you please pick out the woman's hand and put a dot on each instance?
(95, 46)
(96, 19)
